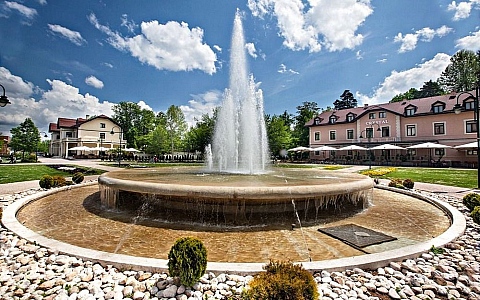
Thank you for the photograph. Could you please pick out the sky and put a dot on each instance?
(76, 58)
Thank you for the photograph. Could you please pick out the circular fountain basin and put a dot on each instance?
(281, 196)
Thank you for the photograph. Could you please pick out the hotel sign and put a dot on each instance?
(368, 123)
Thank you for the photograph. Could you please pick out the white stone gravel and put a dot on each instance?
(29, 271)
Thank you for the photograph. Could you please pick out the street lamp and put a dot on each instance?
(101, 148)
(3, 99)
(369, 134)
(36, 150)
(458, 108)
(120, 147)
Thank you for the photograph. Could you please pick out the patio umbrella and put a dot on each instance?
(131, 150)
(428, 145)
(301, 149)
(324, 148)
(81, 148)
(100, 149)
(469, 146)
(353, 147)
(387, 147)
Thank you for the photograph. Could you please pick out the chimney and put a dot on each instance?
(365, 105)
(87, 117)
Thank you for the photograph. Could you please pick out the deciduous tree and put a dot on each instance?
(461, 74)
(25, 137)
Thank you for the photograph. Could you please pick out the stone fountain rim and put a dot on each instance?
(121, 261)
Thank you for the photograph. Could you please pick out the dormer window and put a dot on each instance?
(410, 110)
(438, 107)
(332, 119)
(350, 117)
(469, 105)
(317, 121)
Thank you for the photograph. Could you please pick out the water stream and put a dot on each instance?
(140, 215)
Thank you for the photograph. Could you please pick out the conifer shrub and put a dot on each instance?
(46, 182)
(282, 280)
(475, 214)
(59, 181)
(78, 177)
(187, 260)
(471, 200)
(408, 183)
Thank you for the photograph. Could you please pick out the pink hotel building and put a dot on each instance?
(404, 124)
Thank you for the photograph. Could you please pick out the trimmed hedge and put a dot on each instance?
(187, 260)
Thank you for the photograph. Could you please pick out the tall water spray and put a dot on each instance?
(240, 139)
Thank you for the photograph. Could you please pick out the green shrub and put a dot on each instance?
(78, 177)
(408, 183)
(395, 183)
(475, 214)
(282, 280)
(471, 200)
(187, 260)
(46, 182)
(58, 181)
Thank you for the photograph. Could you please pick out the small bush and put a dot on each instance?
(282, 280)
(58, 181)
(408, 183)
(395, 183)
(471, 200)
(46, 182)
(475, 214)
(78, 177)
(187, 260)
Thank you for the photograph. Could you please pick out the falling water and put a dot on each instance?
(240, 140)
(141, 213)
(301, 230)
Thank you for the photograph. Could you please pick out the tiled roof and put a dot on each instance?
(422, 106)
(53, 127)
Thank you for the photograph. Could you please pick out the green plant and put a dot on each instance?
(475, 214)
(436, 250)
(282, 280)
(78, 177)
(471, 200)
(58, 181)
(408, 183)
(46, 182)
(187, 260)
(395, 183)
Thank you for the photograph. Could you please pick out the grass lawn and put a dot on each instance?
(16, 173)
(453, 177)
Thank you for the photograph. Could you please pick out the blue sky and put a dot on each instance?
(77, 58)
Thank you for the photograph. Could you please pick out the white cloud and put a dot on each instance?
(217, 47)
(251, 49)
(42, 2)
(108, 65)
(359, 54)
(144, 105)
(400, 82)
(171, 46)
(283, 69)
(201, 104)
(130, 25)
(25, 11)
(463, 9)
(316, 25)
(471, 42)
(61, 100)
(73, 36)
(382, 60)
(94, 81)
(409, 40)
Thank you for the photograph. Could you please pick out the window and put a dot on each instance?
(469, 105)
(438, 108)
(369, 133)
(102, 135)
(440, 151)
(102, 125)
(385, 131)
(333, 135)
(317, 121)
(333, 119)
(57, 136)
(371, 115)
(317, 136)
(411, 130)
(471, 152)
(350, 118)
(68, 134)
(409, 111)
(382, 115)
(470, 127)
(412, 152)
(349, 134)
(438, 128)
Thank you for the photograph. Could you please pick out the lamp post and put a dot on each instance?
(458, 108)
(120, 146)
(3, 99)
(369, 137)
(36, 150)
(101, 148)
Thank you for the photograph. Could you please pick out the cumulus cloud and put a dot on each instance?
(282, 69)
(172, 46)
(61, 100)
(27, 12)
(201, 104)
(73, 36)
(409, 40)
(316, 25)
(471, 42)
(463, 9)
(94, 81)
(400, 82)
(251, 49)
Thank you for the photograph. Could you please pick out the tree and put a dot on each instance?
(25, 137)
(134, 121)
(279, 133)
(200, 135)
(176, 127)
(430, 89)
(461, 74)
(347, 100)
(305, 113)
(411, 94)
